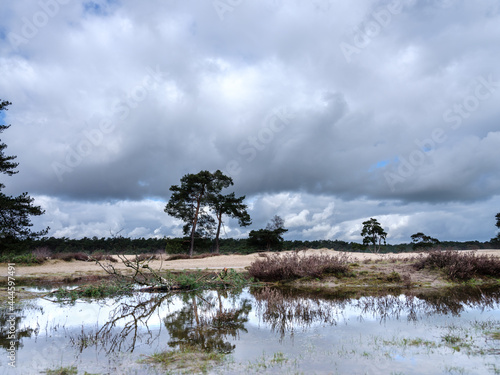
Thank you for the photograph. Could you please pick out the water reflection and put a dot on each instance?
(206, 324)
(285, 310)
(231, 322)
(127, 325)
(11, 329)
(204, 321)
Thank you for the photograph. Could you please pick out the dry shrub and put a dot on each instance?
(461, 265)
(67, 257)
(289, 266)
(143, 257)
(41, 254)
(107, 257)
(186, 256)
(204, 255)
(178, 256)
(406, 278)
(81, 256)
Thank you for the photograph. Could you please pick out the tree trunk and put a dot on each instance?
(219, 217)
(195, 311)
(193, 230)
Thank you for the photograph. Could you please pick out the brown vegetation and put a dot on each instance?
(289, 266)
(186, 256)
(68, 257)
(461, 265)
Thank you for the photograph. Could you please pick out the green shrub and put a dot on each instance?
(27, 259)
(394, 277)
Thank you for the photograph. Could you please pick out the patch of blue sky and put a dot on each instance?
(155, 199)
(378, 165)
(100, 8)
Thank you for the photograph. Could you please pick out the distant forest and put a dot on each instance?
(123, 245)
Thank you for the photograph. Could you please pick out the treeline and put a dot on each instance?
(123, 245)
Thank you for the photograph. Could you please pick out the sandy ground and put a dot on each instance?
(238, 262)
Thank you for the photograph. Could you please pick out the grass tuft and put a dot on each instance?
(70, 370)
(187, 359)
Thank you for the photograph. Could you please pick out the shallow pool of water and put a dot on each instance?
(261, 331)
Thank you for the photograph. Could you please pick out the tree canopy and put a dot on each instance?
(231, 206)
(194, 199)
(373, 234)
(421, 241)
(497, 224)
(15, 212)
(271, 237)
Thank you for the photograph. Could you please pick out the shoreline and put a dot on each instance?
(390, 270)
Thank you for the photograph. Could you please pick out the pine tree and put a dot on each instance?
(373, 234)
(190, 202)
(15, 212)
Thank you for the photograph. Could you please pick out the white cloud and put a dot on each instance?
(213, 87)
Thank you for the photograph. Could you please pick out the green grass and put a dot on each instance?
(494, 335)
(70, 370)
(93, 291)
(189, 280)
(405, 342)
(186, 360)
(24, 259)
(265, 362)
(394, 277)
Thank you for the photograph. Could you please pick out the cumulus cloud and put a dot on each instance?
(116, 101)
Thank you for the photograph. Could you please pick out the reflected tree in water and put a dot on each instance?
(288, 310)
(285, 311)
(205, 323)
(7, 317)
(127, 325)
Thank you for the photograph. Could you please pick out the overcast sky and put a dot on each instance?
(325, 112)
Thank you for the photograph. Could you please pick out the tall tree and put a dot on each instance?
(271, 236)
(15, 212)
(421, 241)
(189, 201)
(496, 239)
(231, 206)
(277, 224)
(373, 234)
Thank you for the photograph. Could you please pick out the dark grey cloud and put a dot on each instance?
(385, 103)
